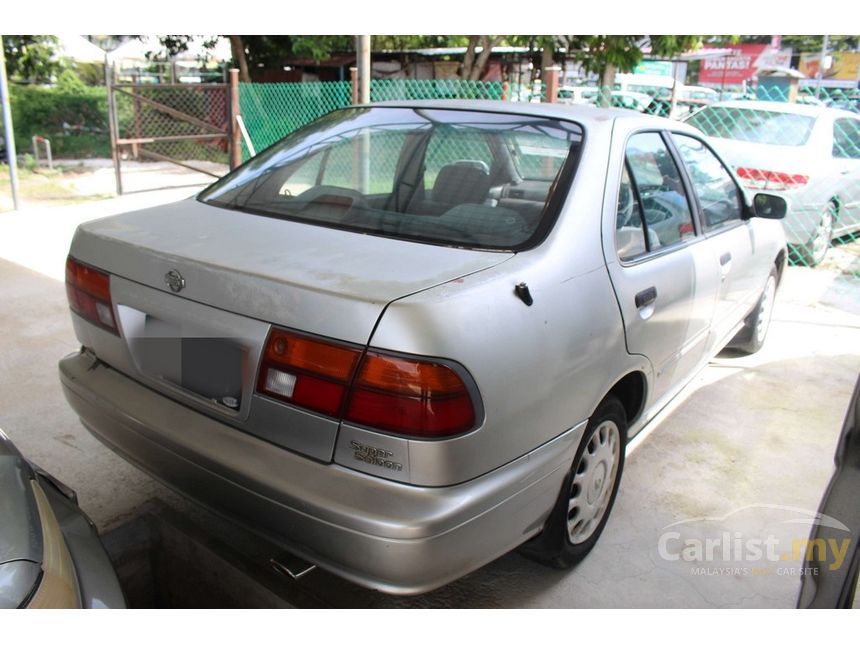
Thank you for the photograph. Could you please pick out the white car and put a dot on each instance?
(589, 95)
(809, 154)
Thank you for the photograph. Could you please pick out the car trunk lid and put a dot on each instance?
(233, 275)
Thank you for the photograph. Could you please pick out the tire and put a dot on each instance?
(751, 338)
(597, 467)
(813, 252)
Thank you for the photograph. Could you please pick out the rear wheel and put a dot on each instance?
(588, 492)
(751, 338)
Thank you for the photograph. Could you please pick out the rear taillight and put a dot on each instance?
(307, 372)
(410, 396)
(404, 395)
(88, 290)
(757, 179)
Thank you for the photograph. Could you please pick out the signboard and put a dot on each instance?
(741, 65)
(654, 68)
(845, 66)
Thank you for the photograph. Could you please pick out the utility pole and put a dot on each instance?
(8, 131)
(362, 51)
(821, 64)
(361, 152)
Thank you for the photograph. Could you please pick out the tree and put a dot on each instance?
(798, 43)
(474, 65)
(30, 59)
(250, 52)
(237, 47)
(607, 55)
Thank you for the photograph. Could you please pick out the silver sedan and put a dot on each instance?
(411, 337)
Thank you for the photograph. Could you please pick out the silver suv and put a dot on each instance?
(413, 336)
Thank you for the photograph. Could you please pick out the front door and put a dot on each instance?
(731, 239)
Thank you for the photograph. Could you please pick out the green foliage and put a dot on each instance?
(29, 59)
(91, 74)
(68, 82)
(321, 47)
(74, 117)
(624, 53)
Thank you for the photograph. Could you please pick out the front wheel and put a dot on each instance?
(751, 338)
(588, 492)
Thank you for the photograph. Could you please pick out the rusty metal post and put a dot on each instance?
(551, 84)
(235, 132)
(138, 130)
(353, 79)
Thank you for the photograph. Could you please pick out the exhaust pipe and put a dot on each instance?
(291, 565)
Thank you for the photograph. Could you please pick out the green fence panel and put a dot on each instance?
(271, 111)
(431, 89)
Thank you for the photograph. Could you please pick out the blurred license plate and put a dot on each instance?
(210, 367)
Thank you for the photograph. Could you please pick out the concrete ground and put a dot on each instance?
(747, 452)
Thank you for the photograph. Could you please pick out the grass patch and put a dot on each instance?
(45, 187)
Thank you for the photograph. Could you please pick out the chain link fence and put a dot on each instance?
(777, 140)
(800, 143)
(182, 123)
(273, 110)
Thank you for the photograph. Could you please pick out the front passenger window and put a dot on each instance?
(718, 194)
(662, 199)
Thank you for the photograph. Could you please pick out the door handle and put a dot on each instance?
(646, 297)
(725, 265)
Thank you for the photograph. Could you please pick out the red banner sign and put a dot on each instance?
(741, 64)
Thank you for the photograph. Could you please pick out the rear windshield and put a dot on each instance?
(455, 177)
(756, 126)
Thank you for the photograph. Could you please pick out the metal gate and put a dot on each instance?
(184, 124)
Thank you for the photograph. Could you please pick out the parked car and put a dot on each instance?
(412, 336)
(591, 95)
(850, 105)
(683, 107)
(824, 585)
(698, 93)
(50, 553)
(809, 154)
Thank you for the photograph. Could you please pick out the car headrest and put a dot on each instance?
(464, 182)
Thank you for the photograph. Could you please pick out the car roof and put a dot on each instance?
(587, 115)
(814, 111)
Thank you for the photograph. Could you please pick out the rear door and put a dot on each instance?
(731, 240)
(665, 279)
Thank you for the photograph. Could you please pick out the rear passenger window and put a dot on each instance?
(846, 139)
(718, 194)
(659, 191)
(629, 234)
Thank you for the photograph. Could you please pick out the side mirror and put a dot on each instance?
(768, 206)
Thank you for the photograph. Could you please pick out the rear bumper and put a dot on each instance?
(377, 533)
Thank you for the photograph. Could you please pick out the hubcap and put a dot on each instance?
(765, 309)
(823, 232)
(593, 481)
